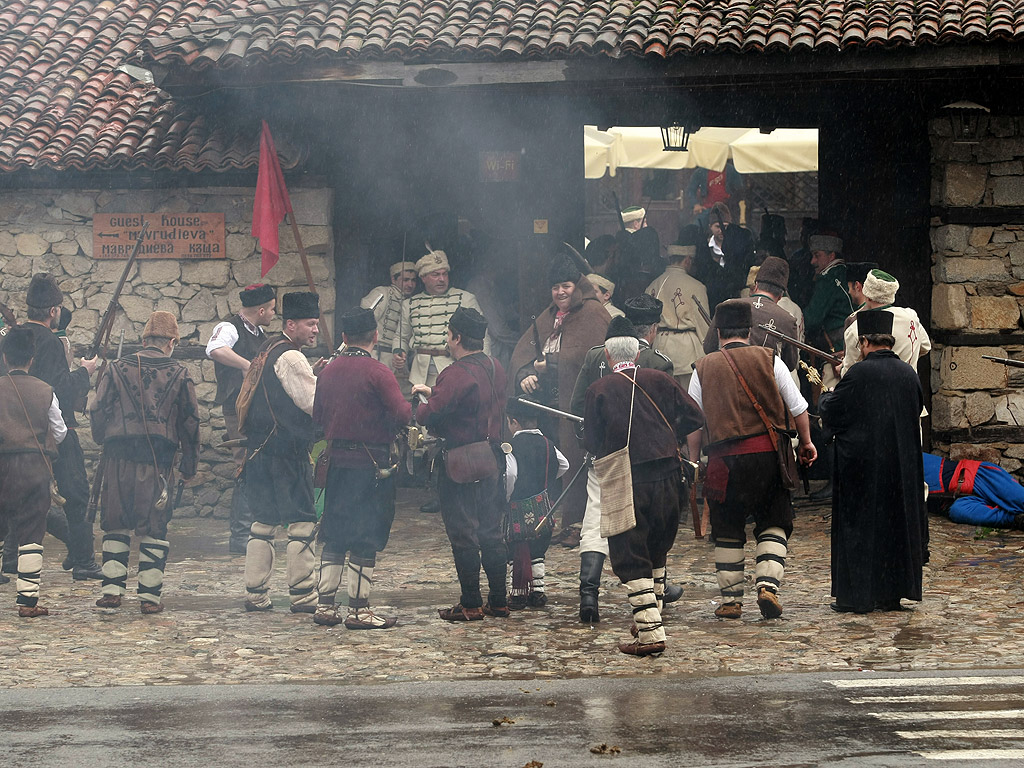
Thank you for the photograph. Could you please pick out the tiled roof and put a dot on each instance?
(230, 31)
(67, 103)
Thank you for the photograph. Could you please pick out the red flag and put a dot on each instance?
(272, 202)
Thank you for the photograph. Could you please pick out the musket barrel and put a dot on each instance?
(555, 411)
(1005, 361)
(801, 345)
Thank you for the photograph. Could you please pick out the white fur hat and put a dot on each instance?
(881, 287)
(432, 262)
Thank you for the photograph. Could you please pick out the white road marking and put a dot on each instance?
(952, 714)
(932, 699)
(1008, 733)
(973, 754)
(924, 682)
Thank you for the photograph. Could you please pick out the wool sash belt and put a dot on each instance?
(717, 478)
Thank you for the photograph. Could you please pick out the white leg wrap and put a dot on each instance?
(329, 581)
(659, 586)
(152, 562)
(537, 569)
(116, 545)
(729, 565)
(259, 563)
(645, 610)
(590, 533)
(508, 577)
(770, 554)
(301, 561)
(30, 569)
(360, 584)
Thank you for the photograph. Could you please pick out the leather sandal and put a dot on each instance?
(149, 608)
(497, 612)
(109, 601)
(636, 648)
(461, 613)
(32, 611)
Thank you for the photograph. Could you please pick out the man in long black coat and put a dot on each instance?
(879, 522)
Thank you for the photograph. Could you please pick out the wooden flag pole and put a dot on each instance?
(324, 332)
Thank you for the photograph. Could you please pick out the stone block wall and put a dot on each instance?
(978, 291)
(51, 231)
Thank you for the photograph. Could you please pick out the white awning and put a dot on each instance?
(784, 150)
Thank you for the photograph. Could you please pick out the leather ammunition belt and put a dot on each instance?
(663, 329)
(432, 352)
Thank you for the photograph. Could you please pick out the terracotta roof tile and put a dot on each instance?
(64, 104)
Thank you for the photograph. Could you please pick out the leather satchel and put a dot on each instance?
(780, 439)
(615, 476)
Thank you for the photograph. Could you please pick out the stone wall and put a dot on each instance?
(51, 231)
(978, 291)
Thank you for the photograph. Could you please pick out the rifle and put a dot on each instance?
(578, 260)
(1004, 361)
(555, 411)
(102, 338)
(9, 318)
(700, 308)
(618, 212)
(805, 347)
(100, 346)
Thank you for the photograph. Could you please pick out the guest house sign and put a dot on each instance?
(170, 235)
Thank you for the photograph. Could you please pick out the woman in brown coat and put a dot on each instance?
(574, 322)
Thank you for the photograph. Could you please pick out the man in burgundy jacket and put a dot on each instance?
(654, 425)
(466, 406)
(360, 408)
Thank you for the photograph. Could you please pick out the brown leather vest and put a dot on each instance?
(17, 434)
(728, 411)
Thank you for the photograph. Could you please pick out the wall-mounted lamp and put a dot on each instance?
(965, 118)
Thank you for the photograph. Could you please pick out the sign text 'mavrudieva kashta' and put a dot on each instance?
(170, 235)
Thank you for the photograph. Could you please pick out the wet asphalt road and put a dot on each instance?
(843, 719)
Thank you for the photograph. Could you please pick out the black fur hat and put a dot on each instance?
(358, 321)
(300, 305)
(468, 322)
(43, 292)
(643, 310)
(734, 313)
(563, 271)
(619, 326)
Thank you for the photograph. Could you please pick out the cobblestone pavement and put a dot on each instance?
(971, 615)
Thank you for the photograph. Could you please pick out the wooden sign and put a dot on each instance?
(499, 166)
(170, 235)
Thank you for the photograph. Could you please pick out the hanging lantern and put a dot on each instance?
(676, 137)
(965, 118)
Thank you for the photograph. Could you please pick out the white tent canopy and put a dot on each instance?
(784, 150)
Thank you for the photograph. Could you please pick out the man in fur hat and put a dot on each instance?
(856, 274)
(360, 408)
(232, 346)
(681, 328)
(466, 406)
(605, 289)
(743, 475)
(879, 521)
(388, 311)
(144, 412)
(31, 428)
(911, 337)
(593, 546)
(651, 423)
(50, 364)
(769, 287)
(278, 479)
(574, 323)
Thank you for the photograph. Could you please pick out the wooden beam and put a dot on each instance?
(981, 215)
(955, 339)
(980, 435)
(717, 67)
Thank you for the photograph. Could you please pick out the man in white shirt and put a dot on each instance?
(233, 344)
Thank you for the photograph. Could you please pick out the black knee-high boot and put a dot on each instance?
(591, 565)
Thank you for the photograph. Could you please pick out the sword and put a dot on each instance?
(548, 409)
(177, 496)
(1004, 361)
(588, 460)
